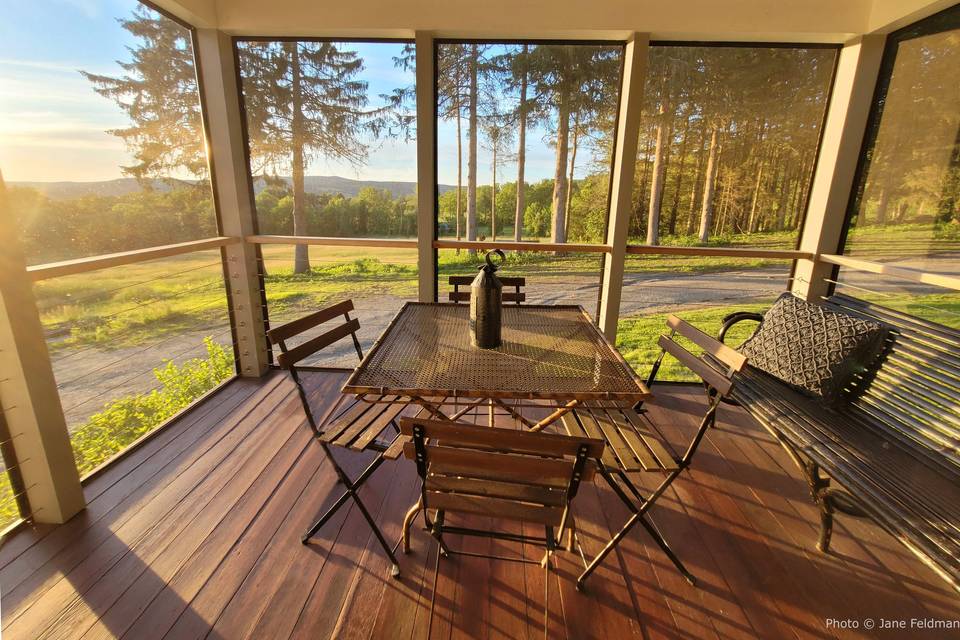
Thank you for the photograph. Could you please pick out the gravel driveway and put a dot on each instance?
(91, 377)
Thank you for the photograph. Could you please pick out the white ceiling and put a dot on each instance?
(738, 20)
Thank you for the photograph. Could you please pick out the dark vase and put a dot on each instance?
(486, 305)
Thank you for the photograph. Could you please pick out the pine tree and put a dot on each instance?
(158, 92)
(571, 80)
(303, 100)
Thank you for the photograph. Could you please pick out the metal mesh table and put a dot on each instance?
(548, 353)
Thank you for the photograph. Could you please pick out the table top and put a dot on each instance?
(548, 352)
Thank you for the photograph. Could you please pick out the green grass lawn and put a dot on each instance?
(637, 337)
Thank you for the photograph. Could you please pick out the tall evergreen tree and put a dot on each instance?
(158, 92)
(304, 100)
(571, 79)
(451, 78)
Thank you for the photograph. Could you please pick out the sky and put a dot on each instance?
(53, 125)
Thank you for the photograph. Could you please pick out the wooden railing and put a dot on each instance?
(83, 265)
(902, 273)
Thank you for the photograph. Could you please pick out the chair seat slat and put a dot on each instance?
(363, 421)
(593, 430)
(664, 459)
(643, 453)
(571, 426)
(395, 450)
(377, 426)
(615, 441)
(351, 412)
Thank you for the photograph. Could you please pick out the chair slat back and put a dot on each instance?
(298, 326)
(727, 355)
(507, 474)
(526, 442)
(719, 380)
(516, 282)
(289, 357)
(493, 465)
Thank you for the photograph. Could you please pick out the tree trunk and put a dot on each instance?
(752, 222)
(694, 192)
(472, 151)
(882, 205)
(950, 185)
(799, 193)
(301, 255)
(656, 184)
(706, 210)
(558, 228)
(573, 163)
(521, 153)
(642, 184)
(785, 178)
(493, 197)
(459, 108)
(678, 183)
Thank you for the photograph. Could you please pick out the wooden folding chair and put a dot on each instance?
(355, 424)
(516, 283)
(497, 473)
(635, 444)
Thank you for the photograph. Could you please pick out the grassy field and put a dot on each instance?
(637, 337)
(126, 305)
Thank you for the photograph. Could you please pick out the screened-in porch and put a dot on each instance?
(706, 386)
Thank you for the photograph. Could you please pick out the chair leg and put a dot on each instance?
(546, 595)
(637, 517)
(408, 522)
(351, 492)
(312, 531)
(614, 541)
(571, 534)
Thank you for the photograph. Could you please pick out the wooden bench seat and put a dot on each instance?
(891, 451)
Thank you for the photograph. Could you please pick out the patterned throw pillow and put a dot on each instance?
(811, 348)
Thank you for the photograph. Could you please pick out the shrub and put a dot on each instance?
(124, 420)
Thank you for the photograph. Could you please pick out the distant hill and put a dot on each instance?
(117, 187)
(124, 186)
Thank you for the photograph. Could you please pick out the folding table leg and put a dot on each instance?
(638, 517)
(351, 492)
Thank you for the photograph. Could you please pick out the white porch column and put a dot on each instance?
(28, 391)
(624, 164)
(840, 148)
(223, 122)
(426, 168)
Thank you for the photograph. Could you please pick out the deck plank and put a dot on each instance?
(123, 498)
(196, 534)
(82, 564)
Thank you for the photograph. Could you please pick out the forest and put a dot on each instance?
(728, 142)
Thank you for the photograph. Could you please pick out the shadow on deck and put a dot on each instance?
(196, 534)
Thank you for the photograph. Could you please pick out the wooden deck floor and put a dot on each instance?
(196, 534)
